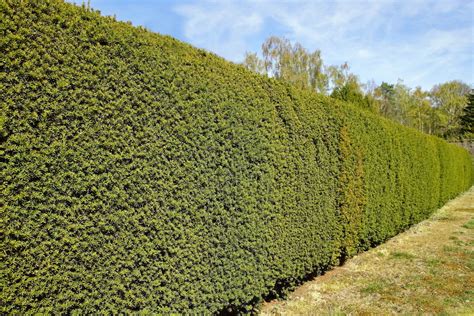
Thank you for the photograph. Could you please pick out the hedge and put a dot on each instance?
(142, 174)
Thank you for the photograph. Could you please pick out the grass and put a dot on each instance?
(402, 255)
(428, 269)
(374, 287)
(469, 224)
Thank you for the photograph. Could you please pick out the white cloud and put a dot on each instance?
(364, 53)
(220, 27)
(422, 41)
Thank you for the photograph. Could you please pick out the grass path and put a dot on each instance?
(428, 269)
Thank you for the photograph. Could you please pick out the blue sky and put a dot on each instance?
(423, 42)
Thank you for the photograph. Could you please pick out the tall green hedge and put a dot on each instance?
(141, 174)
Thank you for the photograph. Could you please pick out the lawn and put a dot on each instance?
(428, 269)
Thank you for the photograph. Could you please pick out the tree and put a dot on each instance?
(294, 63)
(352, 92)
(385, 94)
(467, 118)
(403, 102)
(437, 112)
(450, 98)
(290, 62)
(253, 63)
(420, 111)
(340, 76)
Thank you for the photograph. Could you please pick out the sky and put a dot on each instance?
(422, 42)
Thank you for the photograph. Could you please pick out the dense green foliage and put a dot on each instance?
(467, 118)
(142, 174)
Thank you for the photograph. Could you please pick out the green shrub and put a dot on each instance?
(142, 174)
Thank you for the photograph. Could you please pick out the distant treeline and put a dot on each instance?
(443, 111)
(142, 175)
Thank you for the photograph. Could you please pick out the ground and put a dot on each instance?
(429, 269)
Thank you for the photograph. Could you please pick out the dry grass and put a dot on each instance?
(428, 269)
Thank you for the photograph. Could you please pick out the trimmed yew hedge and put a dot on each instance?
(142, 174)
